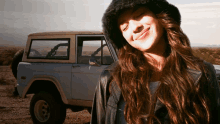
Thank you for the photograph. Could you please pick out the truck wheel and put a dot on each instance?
(16, 59)
(46, 109)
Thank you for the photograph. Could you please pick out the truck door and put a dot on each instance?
(93, 56)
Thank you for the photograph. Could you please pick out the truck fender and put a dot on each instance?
(46, 78)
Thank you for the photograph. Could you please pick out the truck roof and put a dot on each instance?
(65, 33)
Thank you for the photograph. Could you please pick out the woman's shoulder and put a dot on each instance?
(209, 66)
(107, 71)
(106, 75)
(112, 66)
(210, 70)
(211, 75)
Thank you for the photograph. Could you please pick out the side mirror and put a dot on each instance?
(93, 62)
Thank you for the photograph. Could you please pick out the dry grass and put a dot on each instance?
(10, 91)
(211, 55)
(6, 77)
(7, 54)
(7, 80)
(3, 80)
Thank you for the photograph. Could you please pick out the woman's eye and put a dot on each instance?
(124, 28)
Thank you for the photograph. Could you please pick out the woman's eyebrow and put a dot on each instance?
(133, 11)
(121, 21)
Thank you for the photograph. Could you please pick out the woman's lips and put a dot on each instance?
(144, 34)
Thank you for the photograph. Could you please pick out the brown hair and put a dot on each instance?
(184, 100)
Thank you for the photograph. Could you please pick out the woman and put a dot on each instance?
(156, 79)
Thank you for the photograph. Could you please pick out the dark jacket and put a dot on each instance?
(105, 105)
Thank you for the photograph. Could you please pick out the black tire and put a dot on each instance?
(16, 59)
(89, 110)
(46, 109)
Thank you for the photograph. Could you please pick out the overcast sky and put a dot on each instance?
(18, 18)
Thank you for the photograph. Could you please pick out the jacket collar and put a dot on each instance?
(196, 75)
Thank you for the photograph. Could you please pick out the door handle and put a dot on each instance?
(75, 66)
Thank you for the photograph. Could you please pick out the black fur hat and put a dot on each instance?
(109, 19)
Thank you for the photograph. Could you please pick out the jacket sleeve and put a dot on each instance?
(214, 92)
(100, 99)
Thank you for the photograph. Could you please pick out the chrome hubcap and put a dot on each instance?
(42, 110)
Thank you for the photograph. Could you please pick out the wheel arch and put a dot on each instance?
(15, 61)
(45, 83)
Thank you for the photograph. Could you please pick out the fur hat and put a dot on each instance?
(116, 7)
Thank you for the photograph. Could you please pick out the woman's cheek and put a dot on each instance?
(127, 36)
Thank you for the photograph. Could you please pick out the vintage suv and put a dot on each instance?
(61, 69)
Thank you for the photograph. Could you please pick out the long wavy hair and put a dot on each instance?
(183, 99)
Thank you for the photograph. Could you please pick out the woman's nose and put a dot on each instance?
(136, 26)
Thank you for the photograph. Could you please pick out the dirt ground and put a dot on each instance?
(15, 110)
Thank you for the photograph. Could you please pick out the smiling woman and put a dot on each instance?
(141, 29)
(157, 79)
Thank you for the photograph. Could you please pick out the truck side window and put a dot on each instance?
(93, 47)
(49, 49)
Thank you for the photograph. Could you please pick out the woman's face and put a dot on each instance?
(141, 28)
